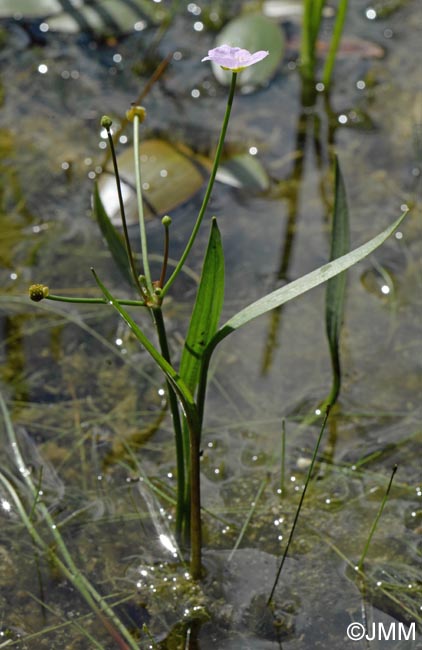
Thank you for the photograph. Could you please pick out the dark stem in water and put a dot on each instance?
(376, 520)
(177, 427)
(308, 478)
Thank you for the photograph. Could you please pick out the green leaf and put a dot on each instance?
(207, 310)
(303, 284)
(252, 32)
(336, 287)
(112, 237)
(174, 378)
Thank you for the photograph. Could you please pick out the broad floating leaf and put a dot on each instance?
(244, 172)
(289, 9)
(252, 32)
(168, 178)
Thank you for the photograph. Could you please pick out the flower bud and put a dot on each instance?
(37, 292)
(106, 122)
(166, 221)
(136, 110)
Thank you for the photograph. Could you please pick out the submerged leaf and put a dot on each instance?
(169, 179)
(252, 32)
(336, 287)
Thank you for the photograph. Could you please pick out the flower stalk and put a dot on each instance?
(209, 186)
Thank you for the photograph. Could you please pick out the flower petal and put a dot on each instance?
(234, 58)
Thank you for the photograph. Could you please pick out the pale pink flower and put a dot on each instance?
(234, 58)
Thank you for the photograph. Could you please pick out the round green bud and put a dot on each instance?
(139, 111)
(158, 292)
(166, 221)
(106, 122)
(37, 292)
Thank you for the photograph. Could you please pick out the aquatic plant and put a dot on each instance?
(312, 19)
(187, 385)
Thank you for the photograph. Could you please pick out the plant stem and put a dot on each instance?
(144, 245)
(195, 496)
(209, 186)
(94, 301)
(312, 14)
(283, 456)
(376, 520)
(306, 60)
(123, 213)
(165, 256)
(174, 408)
(308, 478)
(334, 44)
(247, 521)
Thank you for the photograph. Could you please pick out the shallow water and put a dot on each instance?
(78, 386)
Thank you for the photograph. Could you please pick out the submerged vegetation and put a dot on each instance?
(180, 541)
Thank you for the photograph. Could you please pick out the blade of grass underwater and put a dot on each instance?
(336, 287)
(303, 284)
(112, 237)
(207, 310)
(178, 384)
(67, 566)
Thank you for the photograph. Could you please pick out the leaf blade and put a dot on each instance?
(112, 237)
(174, 378)
(303, 284)
(207, 310)
(336, 286)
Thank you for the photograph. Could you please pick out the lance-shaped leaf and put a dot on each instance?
(301, 285)
(336, 287)
(112, 237)
(174, 378)
(207, 310)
